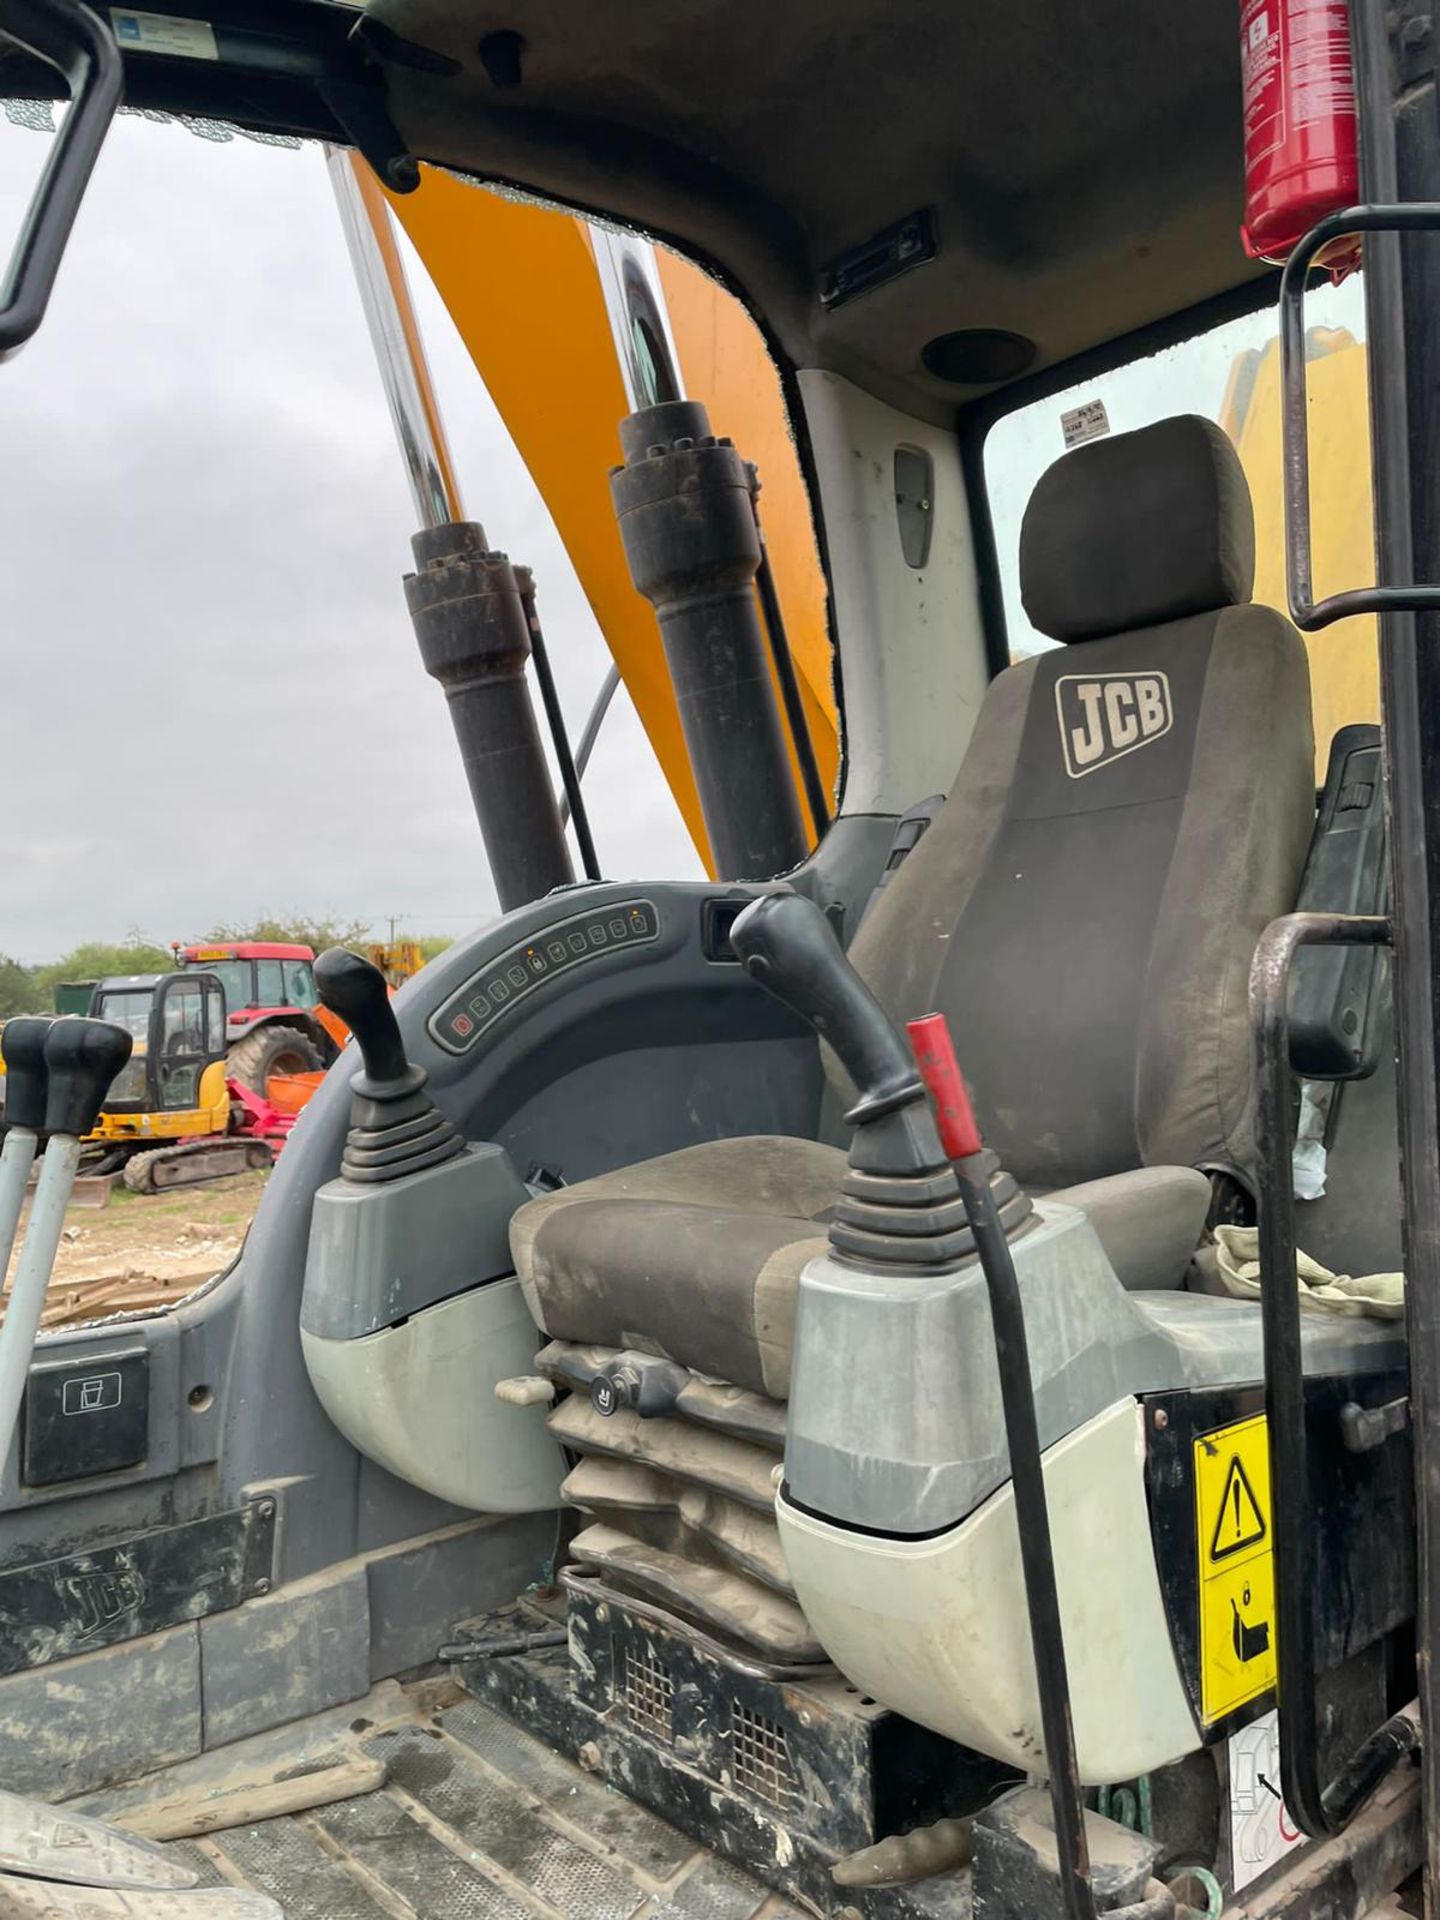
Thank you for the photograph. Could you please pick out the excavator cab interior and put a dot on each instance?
(811, 1391)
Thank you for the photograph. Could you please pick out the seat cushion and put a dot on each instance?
(1149, 1222)
(698, 1255)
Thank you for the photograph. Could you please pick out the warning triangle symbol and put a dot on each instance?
(1239, 1523)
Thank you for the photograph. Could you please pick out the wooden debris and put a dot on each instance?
(69, 1303)
(186, 1816)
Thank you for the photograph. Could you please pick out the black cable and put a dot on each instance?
(1032, 1521)
(569, 778)
(609, 687)
(816, 797)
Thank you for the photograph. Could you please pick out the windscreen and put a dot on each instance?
(237, 979)
(130, 1010)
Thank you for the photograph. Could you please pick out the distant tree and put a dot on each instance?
(19, 990)
(432, 945)
(96, 958)
(300, 930)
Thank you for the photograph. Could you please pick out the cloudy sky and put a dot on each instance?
(211, 706)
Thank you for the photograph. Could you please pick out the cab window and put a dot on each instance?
(129, 1010)
(269, 983)
(300, 990)
(237, 979)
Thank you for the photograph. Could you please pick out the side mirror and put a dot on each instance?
(67, 36)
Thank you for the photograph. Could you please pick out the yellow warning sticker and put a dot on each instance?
(1236, 1564)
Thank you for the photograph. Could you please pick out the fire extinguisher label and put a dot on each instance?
(1321, 82)
(1260, 49)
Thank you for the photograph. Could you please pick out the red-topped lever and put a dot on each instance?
(934, 1052)
(940, 1070)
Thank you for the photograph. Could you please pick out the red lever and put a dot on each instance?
(935, 1056)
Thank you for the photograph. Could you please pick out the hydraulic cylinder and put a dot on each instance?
(470, 620)
(685, 503)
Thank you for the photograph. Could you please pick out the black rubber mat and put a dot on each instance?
(477, 1821)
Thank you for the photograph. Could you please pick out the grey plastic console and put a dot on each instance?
(381, 1253)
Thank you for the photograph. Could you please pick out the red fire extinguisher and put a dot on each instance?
(1300, 154)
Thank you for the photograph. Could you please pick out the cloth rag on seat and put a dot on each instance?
(1382, 1295)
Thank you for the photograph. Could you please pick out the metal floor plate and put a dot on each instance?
(476, 1821)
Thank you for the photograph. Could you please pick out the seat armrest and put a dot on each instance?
(1338, 994)
(1149, 1221)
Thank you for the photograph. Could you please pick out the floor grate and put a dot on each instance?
(760, 1757)
(649, 1695)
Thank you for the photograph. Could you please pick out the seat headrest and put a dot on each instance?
(1137, 530)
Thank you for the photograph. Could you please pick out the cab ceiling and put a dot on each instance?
(1082, 161)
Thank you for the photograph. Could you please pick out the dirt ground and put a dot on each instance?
(146, 1250)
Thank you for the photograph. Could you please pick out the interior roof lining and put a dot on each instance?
(1083, 186)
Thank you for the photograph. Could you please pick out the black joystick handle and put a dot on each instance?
(26, 1078)
(82, 1058)
(789, 947)
(395, 1127)
(357, 991)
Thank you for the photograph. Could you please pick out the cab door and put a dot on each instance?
(187, 1034)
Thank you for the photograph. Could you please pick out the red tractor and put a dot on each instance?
(274, 1023)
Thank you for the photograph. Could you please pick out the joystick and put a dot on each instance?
(25, 1089)
(900, 1205)
(26, 1080)
(82, 1058)
(68, 1065)
(395, 1127)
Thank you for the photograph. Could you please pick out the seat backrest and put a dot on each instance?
(1133, 809)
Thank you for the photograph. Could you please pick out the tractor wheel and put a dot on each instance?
(273, 1049)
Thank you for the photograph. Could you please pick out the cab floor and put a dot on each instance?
(476, 1821)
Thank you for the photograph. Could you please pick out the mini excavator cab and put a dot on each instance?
(178, 1025)
(827, 1345)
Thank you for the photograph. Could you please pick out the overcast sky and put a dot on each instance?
(213, 707)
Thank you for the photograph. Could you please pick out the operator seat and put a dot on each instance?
(1132, 810)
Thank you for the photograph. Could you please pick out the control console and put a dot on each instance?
(411, 1311)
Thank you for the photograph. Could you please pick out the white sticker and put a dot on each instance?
(1261, 1830)
(162, 33)
(1084, 423)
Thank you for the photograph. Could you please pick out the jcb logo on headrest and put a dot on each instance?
(1104, 716)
